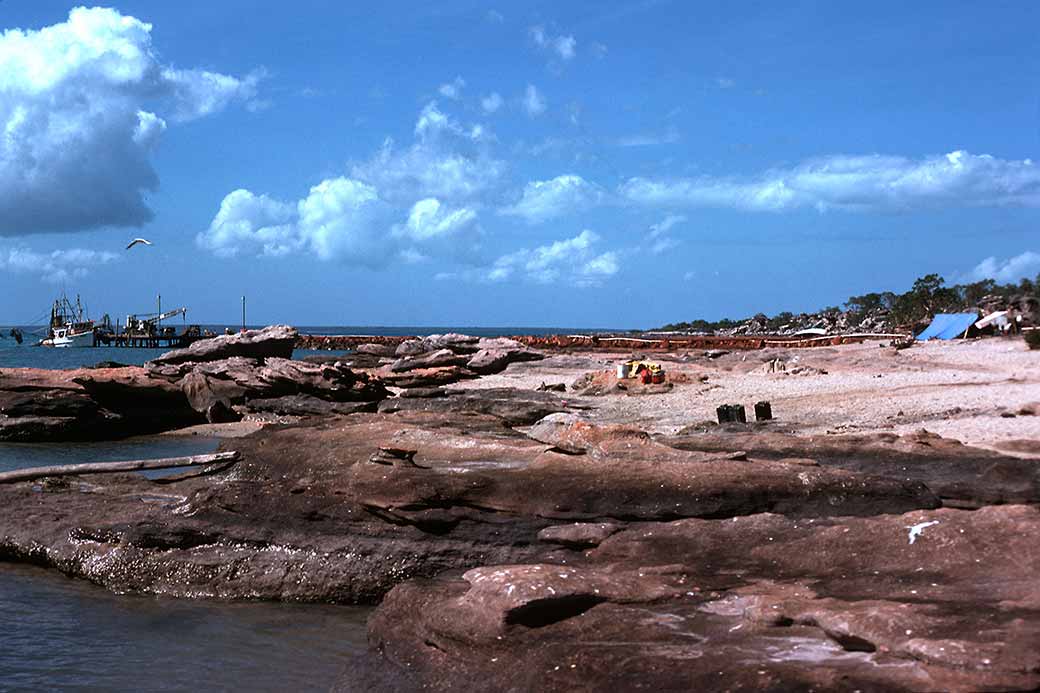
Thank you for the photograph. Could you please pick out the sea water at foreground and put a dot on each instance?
(69, 635)
(61, 634)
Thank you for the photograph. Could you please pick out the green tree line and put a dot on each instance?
(929, 295)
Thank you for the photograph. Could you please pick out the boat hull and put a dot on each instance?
(65, 341)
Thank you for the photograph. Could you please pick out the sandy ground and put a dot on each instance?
(957, 389)
(238, 429)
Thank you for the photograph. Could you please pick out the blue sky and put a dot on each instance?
(590, 164)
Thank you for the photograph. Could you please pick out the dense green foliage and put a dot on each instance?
(929, 295)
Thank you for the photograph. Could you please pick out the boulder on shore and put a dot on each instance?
(205, 382)
(495, 355)
(273, 341)
(241, 381)
(433, 359)
(88, 404)
(468, 354)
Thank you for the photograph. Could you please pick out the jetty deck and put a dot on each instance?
(148, 341)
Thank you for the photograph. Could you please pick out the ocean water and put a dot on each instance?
(22, 455)
(61, 634)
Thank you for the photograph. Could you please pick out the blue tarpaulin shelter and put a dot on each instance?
(948, 326)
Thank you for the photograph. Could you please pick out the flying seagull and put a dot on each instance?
(136, 241)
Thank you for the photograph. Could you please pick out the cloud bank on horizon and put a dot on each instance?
(85, 102)
(856, 184)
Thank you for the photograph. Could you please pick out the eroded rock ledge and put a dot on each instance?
(759, 602)
(329, 510)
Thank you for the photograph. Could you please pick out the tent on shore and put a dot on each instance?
(949, 326)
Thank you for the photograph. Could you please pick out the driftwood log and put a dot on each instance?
(121, 466)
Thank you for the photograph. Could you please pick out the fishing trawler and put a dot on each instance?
(69, 327)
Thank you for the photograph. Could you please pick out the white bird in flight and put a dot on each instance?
(138, 240)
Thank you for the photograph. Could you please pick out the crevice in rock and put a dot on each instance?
(430, 525)
(567, 451)
(204, 471)
(847, 641)
(851, 643)
(545, 612)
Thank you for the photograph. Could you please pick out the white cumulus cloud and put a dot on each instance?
(492, 102)
(857, 184)
(435, 186)
(562, 47)
(542, 200)
(665, 225)
(422, 170)
(448, 161)
(573, 260)
(430, 219)
(344, 219)
(1024, 265)
(56, 266)
(251, 224)
(340, 219)
(453, 89)
(534, 101)
(83, 103)
(657, 235)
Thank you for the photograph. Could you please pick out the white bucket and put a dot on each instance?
(623, 371)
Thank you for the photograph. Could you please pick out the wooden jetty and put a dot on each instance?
(167, 338)
(148, 332)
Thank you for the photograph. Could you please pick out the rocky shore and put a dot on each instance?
(517, 537)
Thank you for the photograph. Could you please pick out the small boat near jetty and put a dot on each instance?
(68, 326)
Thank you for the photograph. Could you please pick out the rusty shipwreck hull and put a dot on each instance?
(581, 342)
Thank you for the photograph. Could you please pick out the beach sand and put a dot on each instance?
(972, 391)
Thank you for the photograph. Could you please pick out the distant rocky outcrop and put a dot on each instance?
(215, 380)
(442, 359)
(233, 372)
